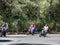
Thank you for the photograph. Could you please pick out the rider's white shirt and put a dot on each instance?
(45, 27)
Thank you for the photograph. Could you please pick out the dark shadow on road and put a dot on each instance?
(5, 40)
(29, 44)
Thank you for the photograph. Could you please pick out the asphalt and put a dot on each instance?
(23, 39)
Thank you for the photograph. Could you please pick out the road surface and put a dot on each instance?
(51, 39)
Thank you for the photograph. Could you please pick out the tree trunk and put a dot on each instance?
(50, 10)
(56, 27)
(38, 12)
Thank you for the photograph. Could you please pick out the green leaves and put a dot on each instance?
(20, 13)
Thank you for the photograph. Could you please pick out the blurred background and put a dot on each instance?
(19, 14)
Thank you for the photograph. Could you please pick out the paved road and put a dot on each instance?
(51, 39)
